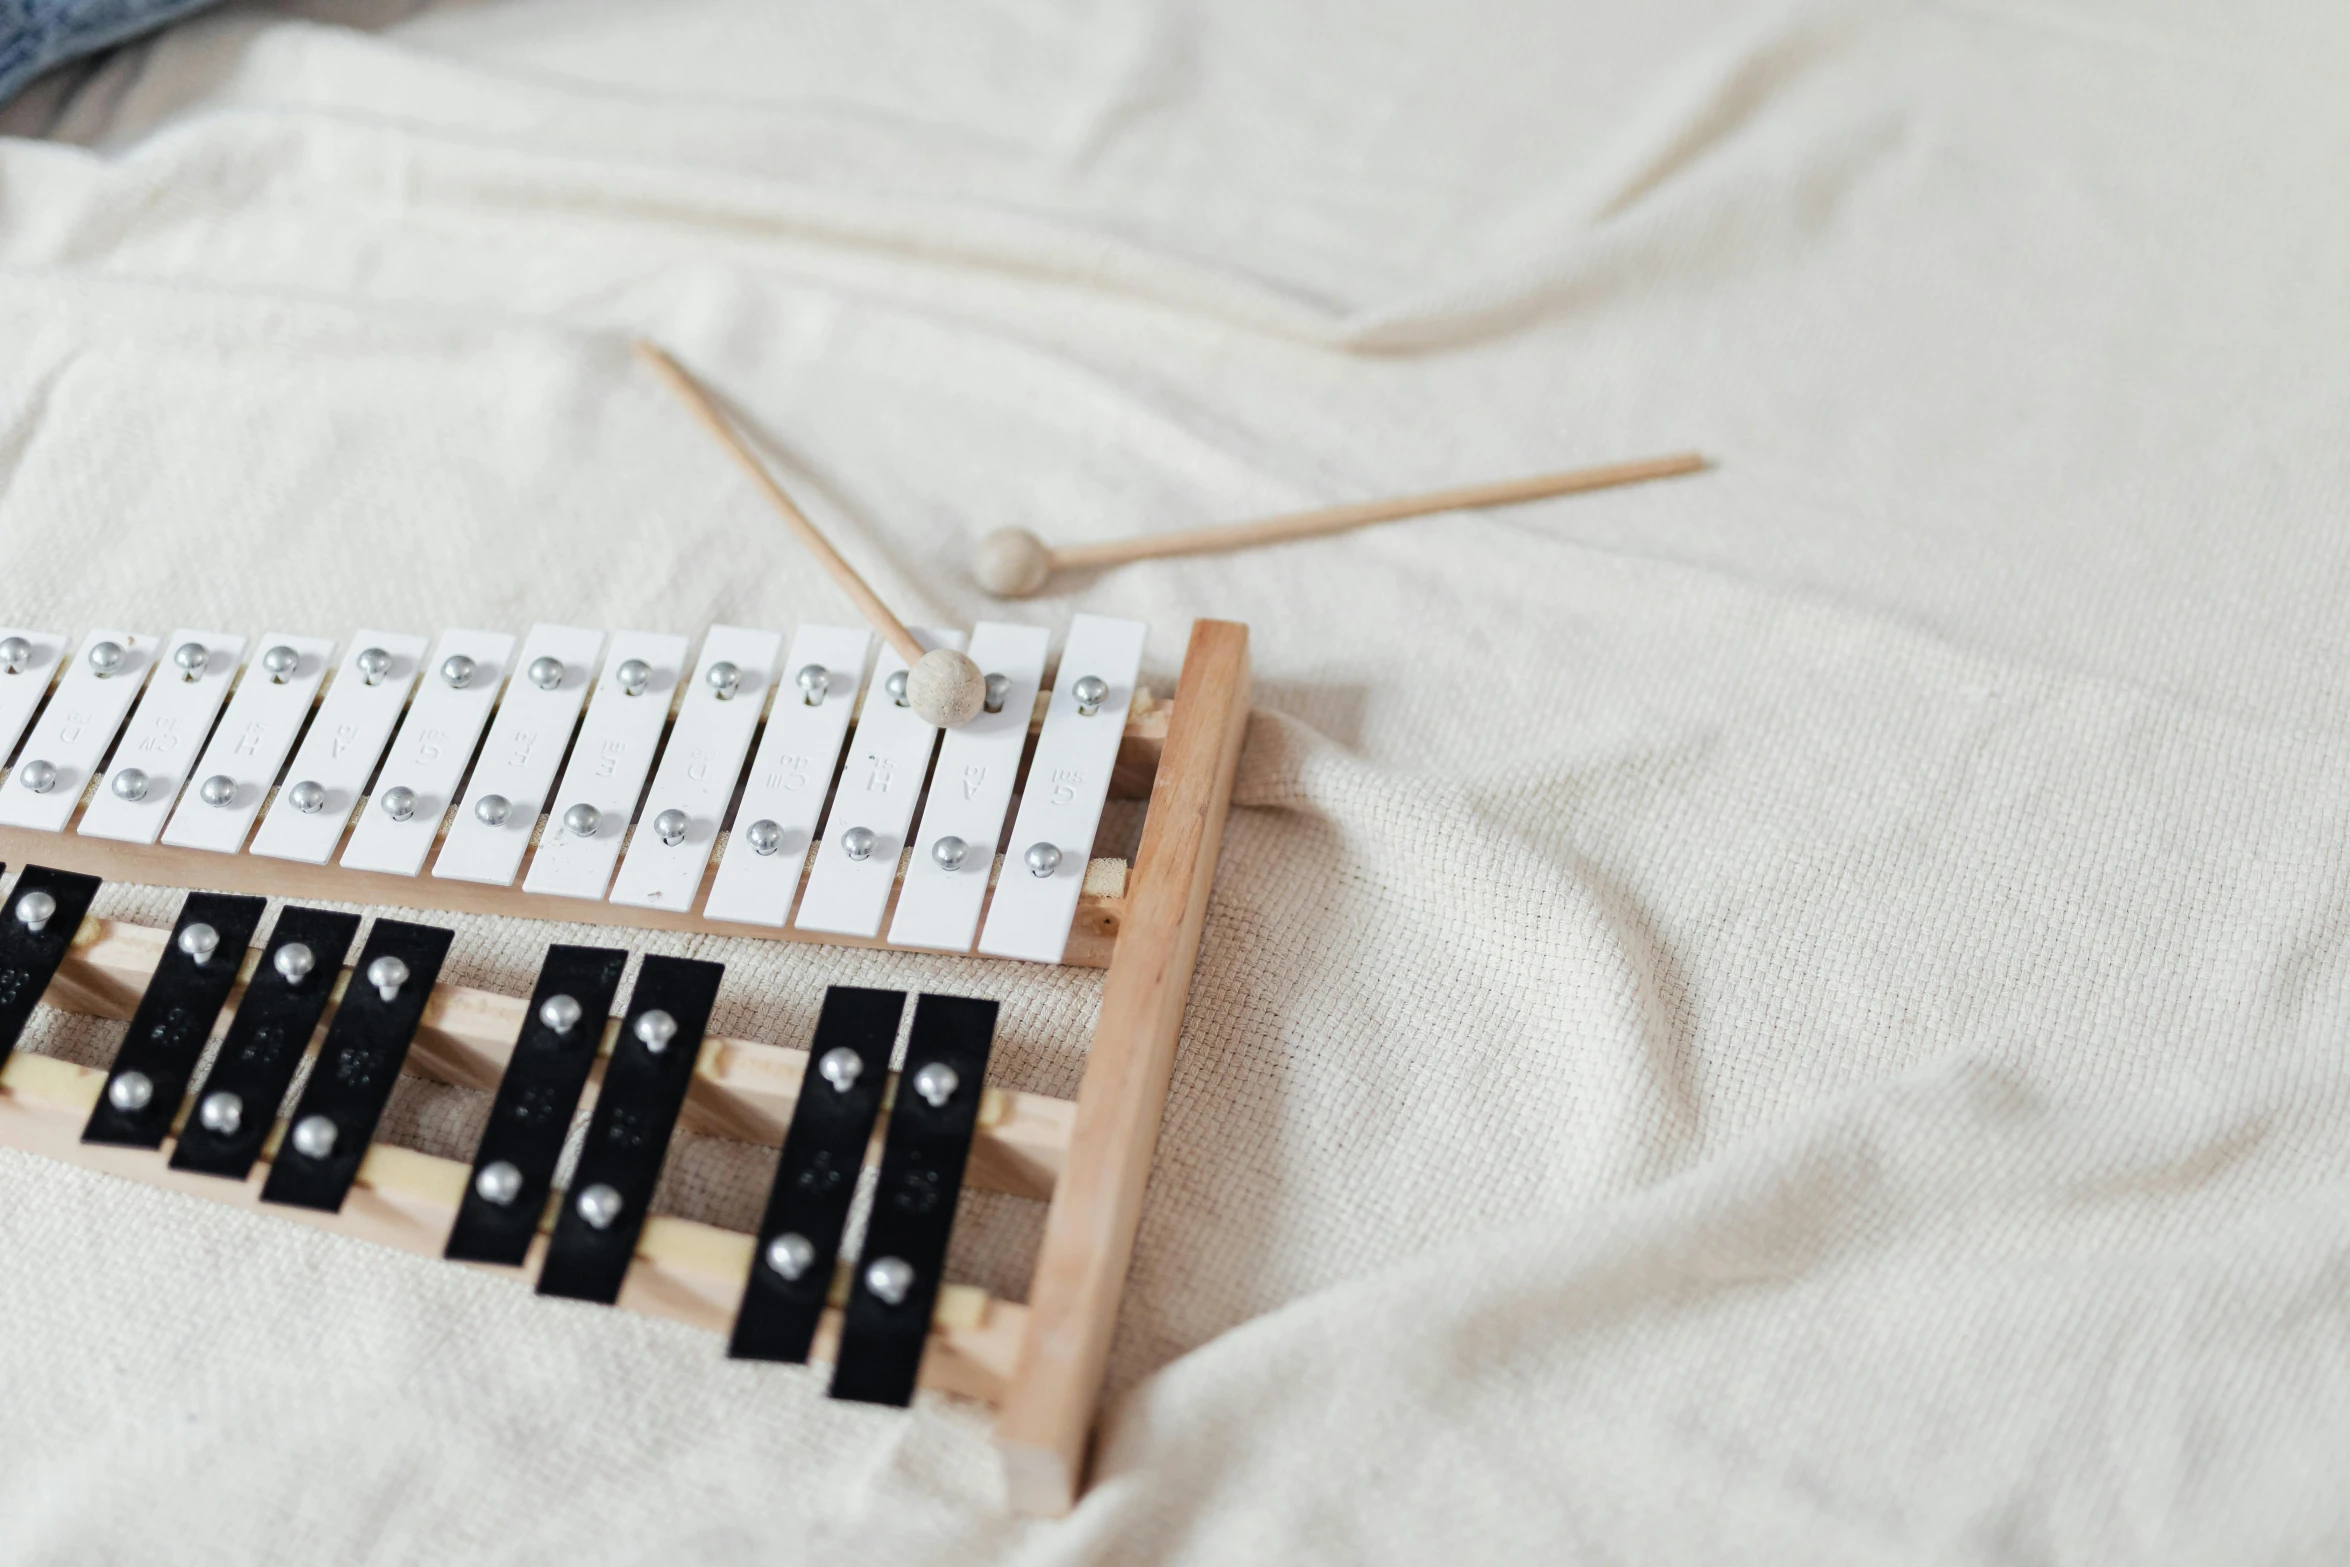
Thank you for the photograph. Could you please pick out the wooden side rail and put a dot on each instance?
(1092, 939)
(690, 1273)
(1089, 1234)
(741, 1089)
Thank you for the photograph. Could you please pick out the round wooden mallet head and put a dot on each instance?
(945, 688)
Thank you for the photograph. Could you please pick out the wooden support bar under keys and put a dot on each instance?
(742, 1089)
(687, 1272)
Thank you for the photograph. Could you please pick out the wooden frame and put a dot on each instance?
(1041, 1362)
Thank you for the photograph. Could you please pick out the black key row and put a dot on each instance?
(895, 1286)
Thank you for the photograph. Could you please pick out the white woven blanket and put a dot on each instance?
(1793, 1015)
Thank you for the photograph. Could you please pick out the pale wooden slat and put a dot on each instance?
(687, 1272)
(1089, 1234)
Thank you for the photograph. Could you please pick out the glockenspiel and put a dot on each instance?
(757, 788)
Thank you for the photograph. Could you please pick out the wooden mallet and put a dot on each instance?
(1015, 563)
(943, 687)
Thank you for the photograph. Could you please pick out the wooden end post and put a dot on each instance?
(1089, 1231)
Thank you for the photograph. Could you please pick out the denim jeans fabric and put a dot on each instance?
(37, 34)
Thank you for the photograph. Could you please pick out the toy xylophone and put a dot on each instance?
(755, 791)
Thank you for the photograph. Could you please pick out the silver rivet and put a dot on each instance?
(857, 843)
(131, 1092)
(38, 776)
(399, 802)
(791, 1255)
(765, 837)
(219, 789)
(895, 685)
(307, 797)
(655, 1029)
(15, 654)
(492, 810)
(499, 1183)
(199, 941)
(890, 1278)
(599, 1205)
(373, 664)
(560, 1013)
(35, 910)
(106, 658)
(221, 1114)
(634, 675)
(130, 784)
(671, 825)
(814, 681)
(293, 962)
(582, 820)
(314, 1137)
(387, 974)
(280, 662)
(724, 679)
(1091, 692)
(546, 673)
(840, 1066)
(936, 1083)
(1043, 859)
(950, 852)
(457, 670)
(999, 688)
(191, 657)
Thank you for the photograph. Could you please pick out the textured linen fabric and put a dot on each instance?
(1796, 1014)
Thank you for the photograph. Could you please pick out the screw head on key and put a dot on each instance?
(790, 1256)
(221, 1114)
(199, 941)
(841, 1067)
(499, 1183)
(130, 1092)
(891, 1279)
(314, 1137)
(387, 974)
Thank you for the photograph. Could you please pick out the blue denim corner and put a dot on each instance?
(37, 34)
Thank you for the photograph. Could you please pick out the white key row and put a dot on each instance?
(414, 722)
